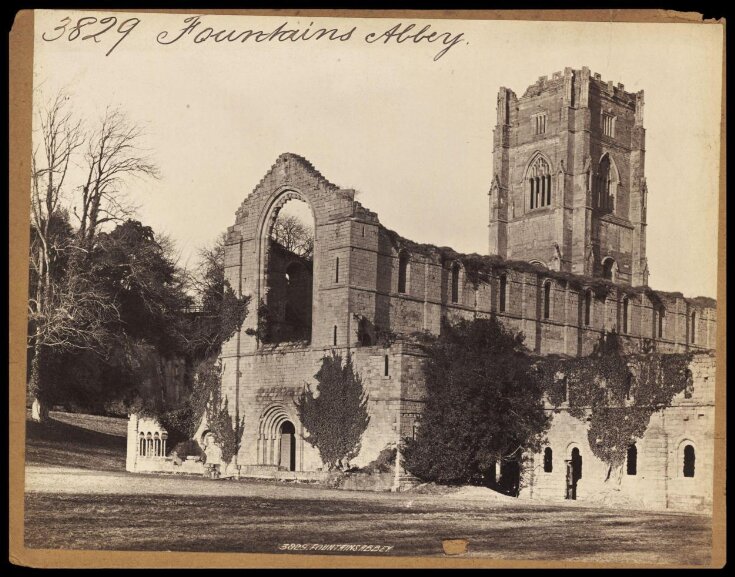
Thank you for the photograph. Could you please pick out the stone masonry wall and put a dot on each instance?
(659, 480)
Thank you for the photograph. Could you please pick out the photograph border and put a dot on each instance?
(21, 41)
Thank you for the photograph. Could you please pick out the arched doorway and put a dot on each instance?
(574, 473)
(287, 458)
(277, 444)
(510, 477)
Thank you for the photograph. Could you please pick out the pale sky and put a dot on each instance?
(412, 135)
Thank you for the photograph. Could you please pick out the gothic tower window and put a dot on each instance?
(539, 183)
(606, 184)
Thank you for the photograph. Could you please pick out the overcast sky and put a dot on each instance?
(412, 134)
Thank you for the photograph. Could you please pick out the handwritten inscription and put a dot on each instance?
(196, 31)
(96, 28)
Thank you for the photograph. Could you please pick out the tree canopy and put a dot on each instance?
(484, 404)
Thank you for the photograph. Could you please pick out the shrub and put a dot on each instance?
(337, 416)
(188, 448)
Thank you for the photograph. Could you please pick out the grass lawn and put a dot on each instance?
(115, 510)
(255, 524)
(77, 440)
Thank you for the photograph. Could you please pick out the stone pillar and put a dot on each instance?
(132, 448)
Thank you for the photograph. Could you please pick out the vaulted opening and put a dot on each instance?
(290, 274)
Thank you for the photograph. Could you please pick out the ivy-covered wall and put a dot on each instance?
(658, 479)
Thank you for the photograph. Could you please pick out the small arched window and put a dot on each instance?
(403, 272)
(689, 458)
(386, 365)
(660, 322)
(625, 316)
(455, 282)
(334, 335)
(336, 270)
(588, 307)
(547, 299)
(501, 292)
(548, 460)
(693, 328)
(539, 183)
(631, 460)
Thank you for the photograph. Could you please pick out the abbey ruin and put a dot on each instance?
(566, 262)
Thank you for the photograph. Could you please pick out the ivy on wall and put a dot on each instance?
(615, 391)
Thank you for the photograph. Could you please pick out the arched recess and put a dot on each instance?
(686, 459)
(609, 268)
(607, 182)
(456, 277)
(275, 423)
(266, 223)
(538, 183)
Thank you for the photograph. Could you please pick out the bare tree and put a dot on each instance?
(67, 310)
(291, 233)
(113, 154)
(59, 136)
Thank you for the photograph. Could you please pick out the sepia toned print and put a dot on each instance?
(374, 287)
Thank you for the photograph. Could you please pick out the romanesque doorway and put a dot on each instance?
(287, 458)
(574, 473)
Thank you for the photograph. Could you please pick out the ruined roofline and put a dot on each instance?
(309, 168)
(479, 268)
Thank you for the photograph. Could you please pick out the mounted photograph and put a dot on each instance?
(313, 288)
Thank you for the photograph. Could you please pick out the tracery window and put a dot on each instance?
(539, 183)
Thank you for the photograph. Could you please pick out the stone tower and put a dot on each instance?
(569, 190)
